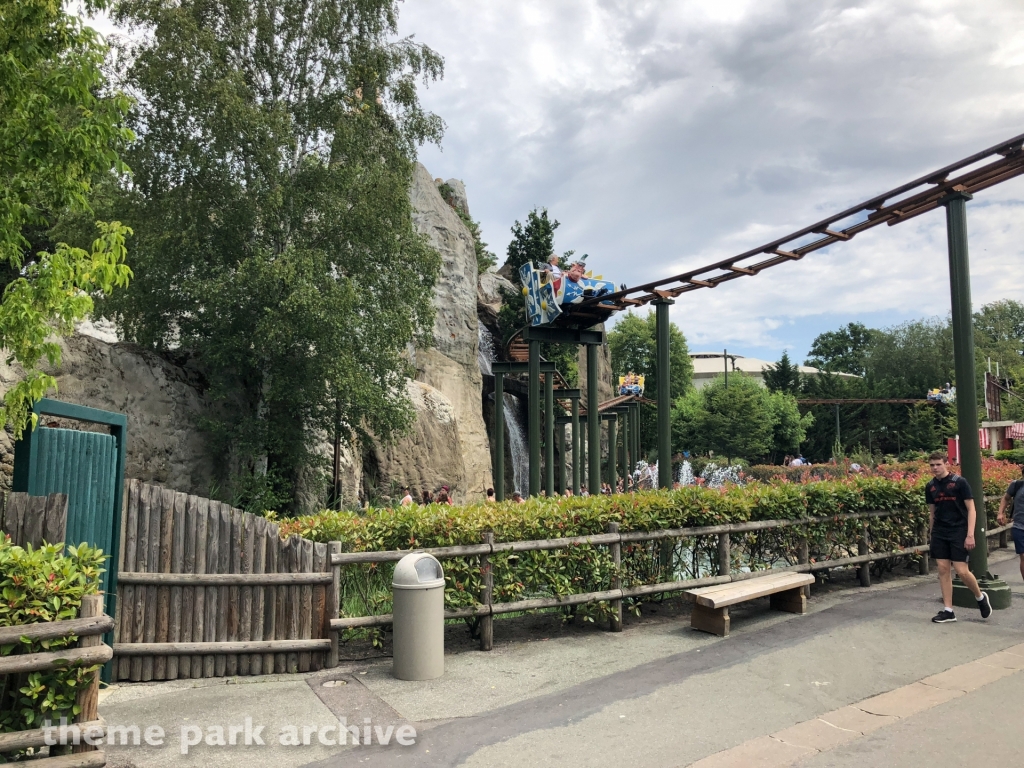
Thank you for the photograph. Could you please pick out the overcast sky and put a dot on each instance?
(664, 135)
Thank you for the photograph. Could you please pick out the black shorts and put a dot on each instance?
(949, 546)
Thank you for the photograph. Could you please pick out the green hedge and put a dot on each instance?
(366, 589)
(1015, 456)
(39, 585)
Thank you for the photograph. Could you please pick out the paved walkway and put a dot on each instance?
(780, 689)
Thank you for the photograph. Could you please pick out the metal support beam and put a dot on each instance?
(593, 423)
(966, 392)
(563, 335)
(613, 476)
(583, 454)
(562, 456)
(499, 436)
(664, 399)
(626, 449)
(549, 434)
(577, 459)
(533, 417)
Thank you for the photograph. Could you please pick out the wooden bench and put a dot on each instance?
(711, 604)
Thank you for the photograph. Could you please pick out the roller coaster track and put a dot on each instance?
(1001, 162)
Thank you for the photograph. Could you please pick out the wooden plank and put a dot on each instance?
(723, 595)
(32, 662)
(36, 737)
(35, 516)
(234, 596)
(715, 621)
(88, 698)
(224, 548)
(306, 559)
(56, 523)
(212, 594)
(294, 607)
(126, 595)
(15, 517)
(222, 649)
(245, 594)
(163, 594)
(284, 601)
(332, 609)
(141, 564)
(48, 630)
(202, 510)
(155, 495)
(790, 600)
(273, 542)
(223, 579)
(188, 594)
(96, 759)
(177, 566)
(259, 559)
(319, 605)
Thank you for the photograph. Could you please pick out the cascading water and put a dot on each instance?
(516, 437)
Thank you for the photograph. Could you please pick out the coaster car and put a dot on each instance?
(946, 395)
(631, 384)
(553, 301)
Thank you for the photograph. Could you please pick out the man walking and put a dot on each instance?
(1015, 494)
(951, 506)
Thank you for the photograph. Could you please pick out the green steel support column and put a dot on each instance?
(533, 420)
(636, 431)
(967, 399)
(626, 448)
(583, 453)
(664, 400)
(613, 459)
(593, 424)
(549, 434)
(499, 436)
(562, 455)
(577, 461)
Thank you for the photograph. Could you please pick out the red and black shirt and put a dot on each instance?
(949, 496)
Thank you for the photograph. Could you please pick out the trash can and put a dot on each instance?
(418, 589)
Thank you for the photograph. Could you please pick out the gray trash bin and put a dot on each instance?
(418, 613)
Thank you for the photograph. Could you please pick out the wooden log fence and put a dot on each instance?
(206, 590)
(34, 519)
(486, 609)
(89, 627)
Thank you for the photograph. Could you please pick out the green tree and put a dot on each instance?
(534, 241)
(841, 351)
(783, 376)
(275, 239)
(61, 129)
(743, 420)
(907, 360)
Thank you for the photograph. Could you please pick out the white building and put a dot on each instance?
(708, 365)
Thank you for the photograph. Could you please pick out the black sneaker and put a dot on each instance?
(944, 616)
(985, 606)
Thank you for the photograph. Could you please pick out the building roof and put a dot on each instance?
(707, 365)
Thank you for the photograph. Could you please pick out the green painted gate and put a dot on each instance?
(89, 468)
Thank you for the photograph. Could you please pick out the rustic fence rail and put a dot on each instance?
(206, 590)
(91, 624)
(34, 519)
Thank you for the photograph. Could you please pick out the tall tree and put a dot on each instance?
(61, 129)
(783, 376)
(533, 241)
(841, 351)
(634, 348)
(275, 241)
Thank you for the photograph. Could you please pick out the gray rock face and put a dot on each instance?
(160, 399)
(489, 289)
(459, 190)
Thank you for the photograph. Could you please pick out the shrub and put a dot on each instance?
(40, 585)
(1015, 455)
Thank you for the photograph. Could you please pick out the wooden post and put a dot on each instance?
(924, 566)
(804, 557)
(333, 596)
(862, 549)
(486, 597)
(724, 554)
(88, 698)
(615, 625)
(1003, 544)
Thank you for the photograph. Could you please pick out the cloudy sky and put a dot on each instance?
(665, 135)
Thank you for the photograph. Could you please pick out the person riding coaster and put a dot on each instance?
(549, 292)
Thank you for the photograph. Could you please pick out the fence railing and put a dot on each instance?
(33, 519)
(91, 624)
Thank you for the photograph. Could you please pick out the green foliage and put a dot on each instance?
(588, 568)
(784, 376)
(743, 420)
(275, 240)
(60, 131)
(484, 259)
(842, 351)
(40, 585)
(1016, 455)
(534, 241)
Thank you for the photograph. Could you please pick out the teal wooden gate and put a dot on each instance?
(89, 468)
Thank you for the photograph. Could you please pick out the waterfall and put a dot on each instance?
(516, 437)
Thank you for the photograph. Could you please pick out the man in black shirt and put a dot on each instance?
(951, 505)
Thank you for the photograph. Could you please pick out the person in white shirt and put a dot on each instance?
(407, 498)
